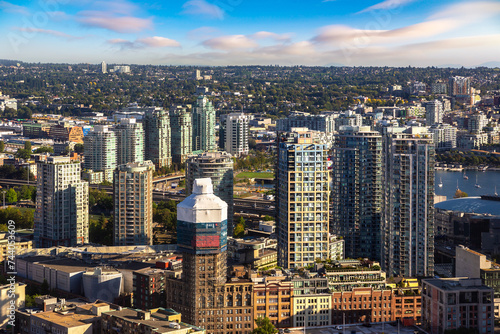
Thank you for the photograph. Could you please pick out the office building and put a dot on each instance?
(434, 112)
(100, 148)
(62, 204)
(357, 191)
(302, 197)
(157, 137)
(322, 123)
(218, 166)
(311, 302)
(182, 134)
(272, 296)
(104, 67)
(133, 204)
(121, 69)
(444, 136)
(237, 132)
(408, 202)
(203, 125)
(130, 141)
(455, 303)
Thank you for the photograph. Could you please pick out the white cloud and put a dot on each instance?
(387, 5)
(271, 35)
(11, 8)
(230, 42)
(47, 32)
(145, 42)
(203, 8)
(120, 24)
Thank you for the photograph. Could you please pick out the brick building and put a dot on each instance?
(272, 299)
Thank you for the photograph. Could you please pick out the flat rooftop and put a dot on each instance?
(69, 320)
(457, 283)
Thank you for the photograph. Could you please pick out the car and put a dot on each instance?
(288, 330)
(338, 327)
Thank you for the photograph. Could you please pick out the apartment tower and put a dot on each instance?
(62, 204)
(302, 195)
(133, 204)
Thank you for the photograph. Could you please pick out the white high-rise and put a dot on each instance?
(62, 204)
(130, 138)
(100, 147)
(236, 136)
(434, 112)
(104, 67)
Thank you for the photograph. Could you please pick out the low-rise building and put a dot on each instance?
(157, 321)
(453, 303)
(311, 302)
(9, 303)
(272, 299)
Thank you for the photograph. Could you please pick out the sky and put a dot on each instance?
(253, 32)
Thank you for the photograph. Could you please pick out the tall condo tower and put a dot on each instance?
(130, 136)
(203, 125)
(182, 133)
(236, 136)
(133, 204)
(357, 191)
(218, 166)
(100, 146)
(302, 195)
(157, 137)
(62, 204)
(408, 202)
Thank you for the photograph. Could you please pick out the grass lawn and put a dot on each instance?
(251, 175)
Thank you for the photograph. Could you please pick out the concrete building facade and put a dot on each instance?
(130, 141)
(157, 137)
(62, 204)
(302, 199)
(100, 151)
(237, 134)
(203, 125)
(133, 204)
(182, 133)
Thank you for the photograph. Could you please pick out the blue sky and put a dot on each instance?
(248, 32)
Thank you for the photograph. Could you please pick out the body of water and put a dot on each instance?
(487, 180)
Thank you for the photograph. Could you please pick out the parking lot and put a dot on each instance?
(349, 329)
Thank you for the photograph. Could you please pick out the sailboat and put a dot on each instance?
(465, 176)
(496, 194)
(440, 184)
(477, 184)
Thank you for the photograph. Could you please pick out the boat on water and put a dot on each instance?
(440, 184)
(465, 176)
(477, 185)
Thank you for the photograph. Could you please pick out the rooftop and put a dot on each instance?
(69, 320)
(470, 205)
(457, 283)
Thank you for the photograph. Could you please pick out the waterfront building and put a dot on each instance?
(357, 191)
(408, 202)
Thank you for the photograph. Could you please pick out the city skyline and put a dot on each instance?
(237, 32)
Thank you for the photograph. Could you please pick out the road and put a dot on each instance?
(349, 329)
(257, 206)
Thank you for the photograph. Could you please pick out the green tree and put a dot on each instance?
(78, 148)
(239, 229)
(264, 326)
(44, 149)
(23, 153)
(11, 196)
(27, 146)
(2, 146)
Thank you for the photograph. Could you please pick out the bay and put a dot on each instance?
(487, 180)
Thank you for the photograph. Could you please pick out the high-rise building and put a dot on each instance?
(100, 146)
(203, 125)
(62, 204)
(459, 87)
(157, 137)
(202, 239)
(357, 191)
(322, 123)
(182, 133)
(133, 204)
(218, 166)
(434, 112)
(130, 141)
(408, 202)
(477, 122)
(104, 67)
(444, 135)
(237, 132)
(302, 195)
